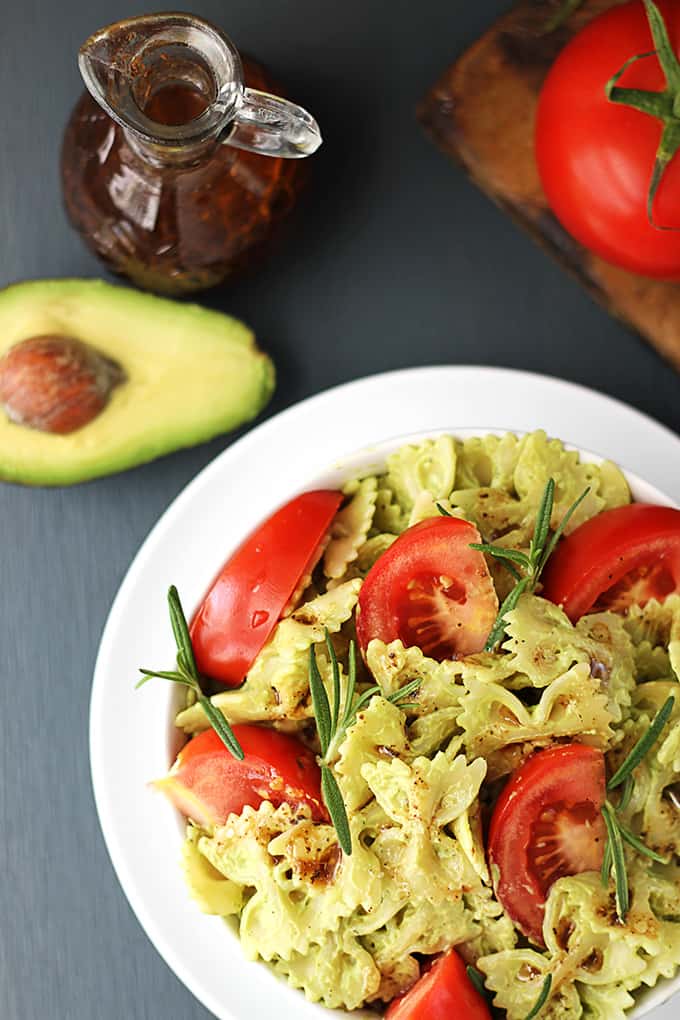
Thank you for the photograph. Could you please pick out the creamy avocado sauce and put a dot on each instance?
(417, 781)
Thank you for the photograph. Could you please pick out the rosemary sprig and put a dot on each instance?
(615, 845)
(542, 999)
(606, 868)
(477, 979)
(632, 840)
(332, 798)
(526, 568)
(614, 861)
(627, 788)
(332, 725)
(187, 674)
(509, 603)
(644, 744)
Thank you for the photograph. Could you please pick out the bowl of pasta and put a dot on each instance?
(417, 725)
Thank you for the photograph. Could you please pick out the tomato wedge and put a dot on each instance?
(254, 586)
(620, 558)
(207, 784)
(430, 589)
(444, 992)
(547, 824)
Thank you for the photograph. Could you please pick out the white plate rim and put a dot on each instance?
(360, 393)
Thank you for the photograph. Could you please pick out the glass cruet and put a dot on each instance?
(179, 160)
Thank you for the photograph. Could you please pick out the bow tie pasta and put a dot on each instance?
(420, 776)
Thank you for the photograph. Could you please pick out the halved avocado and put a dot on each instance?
(186, 375)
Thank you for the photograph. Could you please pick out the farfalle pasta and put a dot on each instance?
(424, 749)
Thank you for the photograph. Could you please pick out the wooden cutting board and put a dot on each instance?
(481, 113)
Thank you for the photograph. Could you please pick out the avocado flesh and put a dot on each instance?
(191, 374)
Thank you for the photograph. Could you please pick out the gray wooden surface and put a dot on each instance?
(392, 260)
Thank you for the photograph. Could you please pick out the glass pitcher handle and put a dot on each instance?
(273, 126)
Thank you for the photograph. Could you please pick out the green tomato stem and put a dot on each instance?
(664, 106)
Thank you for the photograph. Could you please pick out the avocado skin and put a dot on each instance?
(192, 374)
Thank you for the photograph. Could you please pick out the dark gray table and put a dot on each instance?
(393, 259)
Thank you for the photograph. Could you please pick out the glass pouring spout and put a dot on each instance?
(175, 81)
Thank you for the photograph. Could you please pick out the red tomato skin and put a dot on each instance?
(595, 157)
(249, 594)
(601, 551)
(566, 774)
(208, 784)
(443, 992)
(439, 545)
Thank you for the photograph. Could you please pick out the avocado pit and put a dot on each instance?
(56, 384)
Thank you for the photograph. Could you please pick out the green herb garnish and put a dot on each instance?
(526, 568)
(632, 840)
(614, 861)
(509, 603)
(542, 999)
(187, 674)
(477, 979)
(643, 746)
(626, 793)
(606, 868)
(332, 725)
(618, 861)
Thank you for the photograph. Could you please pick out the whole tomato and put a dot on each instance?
(596, 157)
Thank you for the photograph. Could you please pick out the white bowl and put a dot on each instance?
(143, 832)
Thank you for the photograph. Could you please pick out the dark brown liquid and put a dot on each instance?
(175, 104)
(173, 229)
